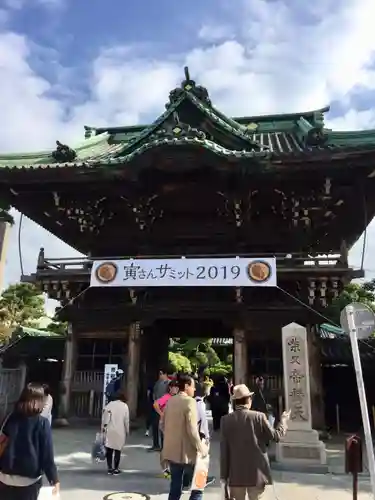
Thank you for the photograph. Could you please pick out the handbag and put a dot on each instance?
(4, 440)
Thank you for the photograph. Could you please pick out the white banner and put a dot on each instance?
(109, 374)
(232, 271)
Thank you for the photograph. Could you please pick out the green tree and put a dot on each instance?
(201, 354)
(179, 362)
(5, 216)
(353, 292)
(60, 328)
(21, 304)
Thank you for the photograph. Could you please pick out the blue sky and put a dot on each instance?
(65, 64)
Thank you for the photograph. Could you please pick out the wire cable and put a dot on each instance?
(20, 243)
(307, 306)
(315, 311)
(365, 223)
(72, 300)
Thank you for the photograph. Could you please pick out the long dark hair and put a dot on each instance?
(32, 400)
(120, 396)
(183, 379)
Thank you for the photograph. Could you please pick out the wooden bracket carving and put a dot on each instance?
(133, 296)
(135, 332)
(239, 336)
(239, 296)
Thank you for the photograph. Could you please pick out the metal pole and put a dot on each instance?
(355, 485)
(362, 396)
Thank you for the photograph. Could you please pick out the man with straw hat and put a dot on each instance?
(244, 463)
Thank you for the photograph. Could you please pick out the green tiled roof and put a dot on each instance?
(191, 120)
(23, 332)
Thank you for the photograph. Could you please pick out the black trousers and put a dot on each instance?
(113, 458)
(216, 417)
(155, 421)
(20, 493)
(149, 411)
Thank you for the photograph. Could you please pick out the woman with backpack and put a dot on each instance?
(26, 449)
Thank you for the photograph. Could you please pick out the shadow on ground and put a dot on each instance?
(81, 479)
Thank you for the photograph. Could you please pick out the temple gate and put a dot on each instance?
(196, 184)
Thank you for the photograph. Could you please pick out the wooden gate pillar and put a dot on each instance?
(67, 377)
(316, 379)
(240, 356)
(132, 379)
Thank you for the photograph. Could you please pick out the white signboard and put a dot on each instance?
(109, 374)
(232, 271)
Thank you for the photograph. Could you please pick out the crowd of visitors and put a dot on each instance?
(180, 432)
(245, 432)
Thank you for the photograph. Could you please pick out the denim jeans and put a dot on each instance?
(181, 477)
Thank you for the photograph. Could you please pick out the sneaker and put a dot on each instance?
(147, 433)
(153, 448)
(110, 472)
(166, 474)
(116, 472)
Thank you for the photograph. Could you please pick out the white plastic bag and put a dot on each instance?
(200, 473)
(46, 493)
(98, 450)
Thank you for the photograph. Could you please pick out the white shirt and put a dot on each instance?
(202, 418)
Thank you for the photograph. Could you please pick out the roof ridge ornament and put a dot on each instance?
(189, 85)
(311, 134)
(63, 153)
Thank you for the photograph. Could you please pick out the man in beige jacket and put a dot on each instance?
(182, 441)
(244, 464)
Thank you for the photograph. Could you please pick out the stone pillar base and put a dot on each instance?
(301, 448)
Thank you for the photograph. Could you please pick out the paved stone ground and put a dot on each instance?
(82, 480)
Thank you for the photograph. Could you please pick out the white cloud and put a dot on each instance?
(215, 33)
(19, 4)
(285, 57)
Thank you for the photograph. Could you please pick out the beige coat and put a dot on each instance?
(115, 420)
(243, 448)
(181, 436)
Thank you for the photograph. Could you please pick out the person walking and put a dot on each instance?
(114, 385)
(259, 402)
(160, 389)
(159, 407)
(115, 425)
(48, 404)
(203, 428)
(28, 452)
(182, 442)
(244, 463)
(219, 399)
(149, 409)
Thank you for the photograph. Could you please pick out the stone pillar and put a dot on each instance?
(240, 356)
(67, 377)
(301, 445)
(132, 378)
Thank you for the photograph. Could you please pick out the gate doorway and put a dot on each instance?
(200, 346)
